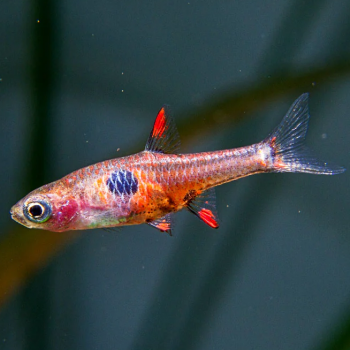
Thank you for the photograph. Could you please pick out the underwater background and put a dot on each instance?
(82, 81)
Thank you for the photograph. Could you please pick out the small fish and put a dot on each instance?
(150, 186)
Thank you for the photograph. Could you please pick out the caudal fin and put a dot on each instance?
(287, 142)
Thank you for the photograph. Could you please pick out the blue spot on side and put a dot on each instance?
(122, 183)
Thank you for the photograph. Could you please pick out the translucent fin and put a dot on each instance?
(287, 143)
(204, 207)
(164, 137)
(163, 224)
(112, 229)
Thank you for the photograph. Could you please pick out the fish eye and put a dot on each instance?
(38, 211)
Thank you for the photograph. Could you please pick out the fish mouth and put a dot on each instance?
(17, 217)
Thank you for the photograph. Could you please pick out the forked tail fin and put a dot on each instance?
(287, 143)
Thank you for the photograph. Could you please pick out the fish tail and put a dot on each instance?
(287, 143)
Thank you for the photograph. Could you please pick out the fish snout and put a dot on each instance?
(17, 214)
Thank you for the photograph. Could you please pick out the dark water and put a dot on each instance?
(81, 79)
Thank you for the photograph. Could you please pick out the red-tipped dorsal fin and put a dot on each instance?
(163, 224)
(203, 205)
(164, 137)
(159, 124)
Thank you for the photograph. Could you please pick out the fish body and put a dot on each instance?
(148, 187)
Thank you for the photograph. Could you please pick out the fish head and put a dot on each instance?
(49, 207)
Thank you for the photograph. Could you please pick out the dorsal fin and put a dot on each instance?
(204, 207)
(163, 224)
(164, 137)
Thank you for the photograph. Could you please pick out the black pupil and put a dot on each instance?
(36, 210)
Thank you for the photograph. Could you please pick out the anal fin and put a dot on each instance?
(204, 207)
(163, 224)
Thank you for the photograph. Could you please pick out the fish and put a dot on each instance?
(150, 186)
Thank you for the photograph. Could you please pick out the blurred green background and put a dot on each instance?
(81, 79)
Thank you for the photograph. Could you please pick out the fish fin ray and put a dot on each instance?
(287, 143)
(204, 207)
(164, 137)
(112, 229)
(163, 224)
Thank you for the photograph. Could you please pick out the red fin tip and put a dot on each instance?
(164, 137)
(163, 226)
(159, 124)
(208, 217)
